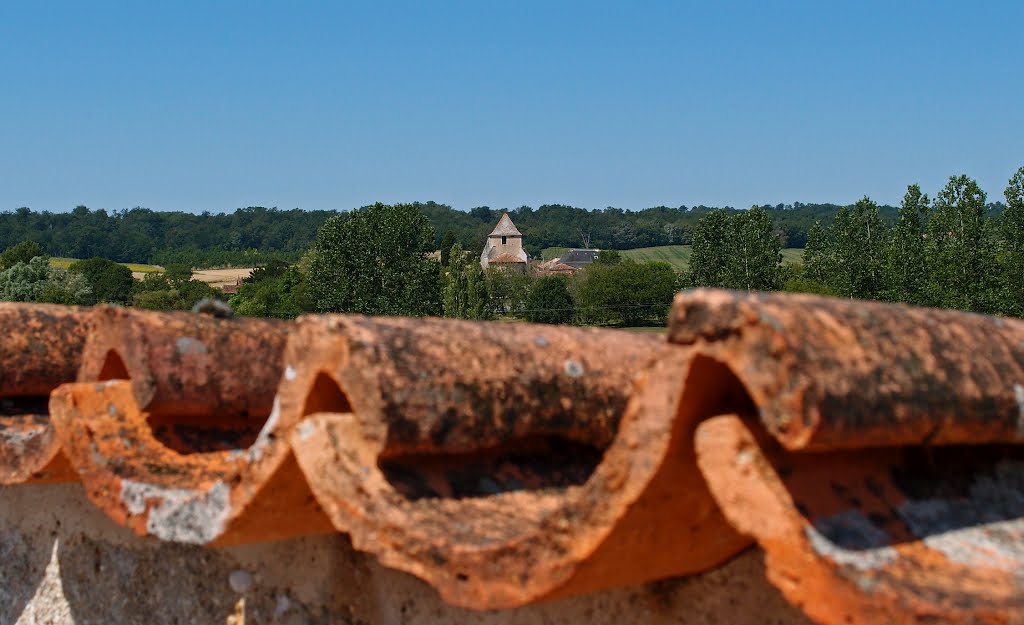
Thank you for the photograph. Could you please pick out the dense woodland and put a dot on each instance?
(955, 251)
(251, 236)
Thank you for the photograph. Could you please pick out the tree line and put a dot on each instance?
(953, 251)
(383, 260)
(256, 235)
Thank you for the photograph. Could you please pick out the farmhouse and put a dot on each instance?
(570, 262)
(504, 247)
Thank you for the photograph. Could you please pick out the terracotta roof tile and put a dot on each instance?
(173, 428)
(872, 450)
(471, 461)
(41, 349)
(505, 258)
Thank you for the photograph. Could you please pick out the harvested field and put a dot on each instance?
(217, 278)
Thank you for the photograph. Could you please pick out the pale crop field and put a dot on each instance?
(214, 277)
(220, 277)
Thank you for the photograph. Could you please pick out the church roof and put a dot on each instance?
(505, 228)
(505, 258)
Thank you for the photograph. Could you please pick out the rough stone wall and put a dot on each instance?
(63, 562)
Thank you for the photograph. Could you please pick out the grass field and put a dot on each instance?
(676, 255)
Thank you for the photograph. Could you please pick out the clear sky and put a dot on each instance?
(216, 105)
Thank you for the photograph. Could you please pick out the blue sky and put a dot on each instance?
(216, 105)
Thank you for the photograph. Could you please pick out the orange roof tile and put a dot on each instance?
(505, 258)
(41, 349)
(872, 450)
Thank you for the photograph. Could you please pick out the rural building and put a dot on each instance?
(570, 262)
(504, 247)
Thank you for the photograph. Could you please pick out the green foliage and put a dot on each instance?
(272, 293)
(736, 252)
(626, 293)
(507, 292)
(454, 288)
(272, 269)
(376, 261)
(170, 291)
(906, 266)
(608, 257)
(463, 288)
(177, 272)
(446, 246)
(818, 261)
(1011, 246)
(848, 257)
(755, 254)
(710, 255)
(549, 301)
(37, 281)
(959, 249)
(108, 281)
(21, 253)
(807, 285)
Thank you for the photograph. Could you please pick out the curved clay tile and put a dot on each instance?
(174, 428)
(829, 373)
(41, 349)
(494, 460)
(858, 460)
(893, 535)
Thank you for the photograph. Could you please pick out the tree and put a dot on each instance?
(37, 281)
(608, 257)
(906, 267)
(454, 284)
(1011, 243)
(507, 292)
(109, 281)
(818, 262)
(446, 246)
(709, 254)
(282, 296)
(959, 249)
(628, 293)
(851, 261)
(174, 290)
(463, 287)
(20, 253)
(376, 261)
(754, 258)
(477, 298)
(549, 301)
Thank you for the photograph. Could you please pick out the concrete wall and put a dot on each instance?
(62, 562)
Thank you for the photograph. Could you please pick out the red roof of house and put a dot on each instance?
(505, 258)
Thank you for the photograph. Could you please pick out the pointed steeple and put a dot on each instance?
(505, 228)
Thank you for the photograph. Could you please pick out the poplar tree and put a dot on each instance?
(709, 253)
(958, 248)
(906, 267)
(817, 258)
(754, 260)
(1011, 243)
(454, 284)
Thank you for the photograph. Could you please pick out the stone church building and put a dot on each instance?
(504, 247)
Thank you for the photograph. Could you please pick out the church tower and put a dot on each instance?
(504, 247)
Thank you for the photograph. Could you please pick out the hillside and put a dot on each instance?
(676, 255)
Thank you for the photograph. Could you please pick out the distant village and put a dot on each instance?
(504, 250)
